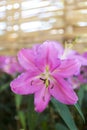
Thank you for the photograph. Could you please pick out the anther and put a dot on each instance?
(32, 82)
(52, 86)
(43, 98)
(44, 80)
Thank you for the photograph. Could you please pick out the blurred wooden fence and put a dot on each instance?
(25, 22)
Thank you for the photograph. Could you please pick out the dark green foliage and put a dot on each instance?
(7, 105)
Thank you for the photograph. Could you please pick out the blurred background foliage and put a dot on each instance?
(17, 112)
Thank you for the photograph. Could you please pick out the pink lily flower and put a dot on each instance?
(83, 73)
(45, 75)
(10, 65)
(81, 78)
(77, 80)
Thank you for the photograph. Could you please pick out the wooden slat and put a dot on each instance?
(64, 23)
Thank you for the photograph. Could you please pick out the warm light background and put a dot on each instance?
(25, 22)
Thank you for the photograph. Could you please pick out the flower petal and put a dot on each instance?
(63, 91)
(81, 58)
(10, 65)
(68, 68)
(26, 59)
(26, 83)
(2, 61)
(47, 54)
(41, 99)
(72, 54)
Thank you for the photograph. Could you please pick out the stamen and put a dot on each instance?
(44, 80)
(68, 47)
(47, 83)
(75, 40)
(47, 69)
(52, 86)
(44, 94)
(43, 98)
(31, 82)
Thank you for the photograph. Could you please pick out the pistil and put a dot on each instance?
(45, 77)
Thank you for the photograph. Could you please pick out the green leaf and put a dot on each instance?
(60, 126)
(65, 114)
(81, 94)
(79, 110)
(32, 116)
(85, 87)
(22, 119)
(18, 99)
